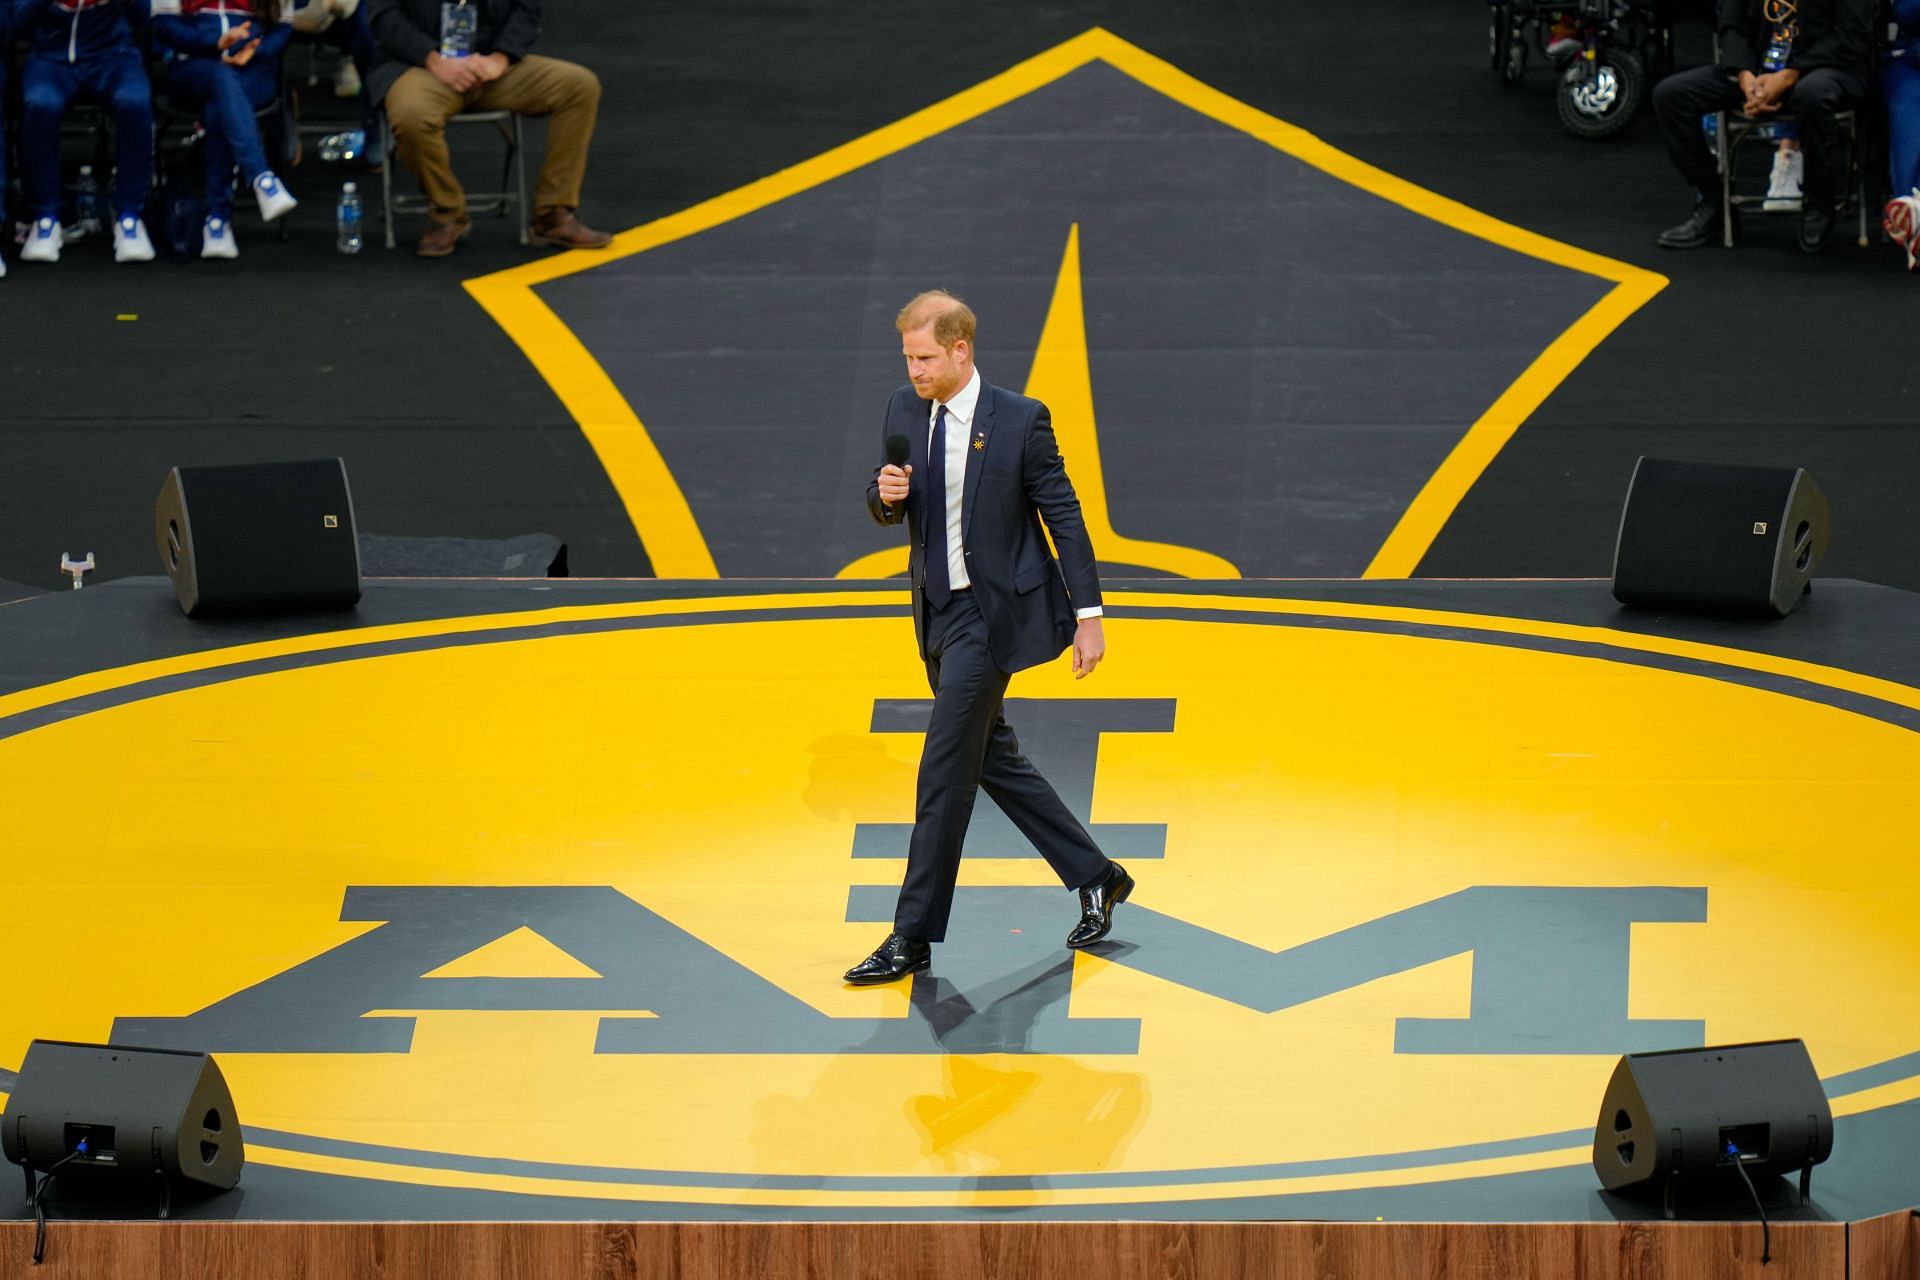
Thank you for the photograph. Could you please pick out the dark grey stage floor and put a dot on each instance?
(105, 383)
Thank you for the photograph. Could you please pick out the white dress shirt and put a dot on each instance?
(960, 410)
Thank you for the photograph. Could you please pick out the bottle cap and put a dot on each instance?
(349, 188)
(87, 170)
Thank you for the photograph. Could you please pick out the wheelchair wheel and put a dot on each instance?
(1597, 101)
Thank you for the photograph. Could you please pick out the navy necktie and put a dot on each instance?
(938, 586)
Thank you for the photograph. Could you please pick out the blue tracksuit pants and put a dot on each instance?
(115, 78)
(1900, 79)
(226, 98)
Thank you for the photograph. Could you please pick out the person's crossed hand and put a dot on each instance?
(237, 45)
(1763, 93)
(458, 74)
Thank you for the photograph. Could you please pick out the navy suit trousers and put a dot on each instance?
(970, 746)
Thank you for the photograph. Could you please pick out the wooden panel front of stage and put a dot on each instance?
(1881, 1249)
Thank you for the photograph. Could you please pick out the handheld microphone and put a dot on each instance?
(899, 449)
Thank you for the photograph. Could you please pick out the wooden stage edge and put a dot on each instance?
(1886, 1248)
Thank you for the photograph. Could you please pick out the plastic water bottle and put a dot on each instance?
(349, 145)
(86, 204)
(349, 219)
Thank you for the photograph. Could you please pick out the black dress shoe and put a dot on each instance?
(892, 960)
(1702, 227)
(1097, 902)
(1816, 228)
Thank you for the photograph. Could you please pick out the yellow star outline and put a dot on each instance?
(658, 507)
(1062, 377)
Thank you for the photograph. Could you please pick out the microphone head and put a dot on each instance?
(899, 449)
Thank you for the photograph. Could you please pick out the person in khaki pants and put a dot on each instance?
(437, 58)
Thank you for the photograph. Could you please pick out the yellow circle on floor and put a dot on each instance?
(1423, 878)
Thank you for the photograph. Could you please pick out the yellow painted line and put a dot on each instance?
(640, 475)
(1062, 376)
(658, 508)
(888, 563)
(801, 1198)
(1814, 673)
(1437, 500)
(1566, 1157)
(1435, 504)
(1886, 1095)
(653, 499)
(117, 677)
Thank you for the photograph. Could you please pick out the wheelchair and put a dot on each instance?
(1605, 76)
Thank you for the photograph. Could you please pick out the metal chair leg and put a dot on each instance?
(1725, 162)
(520, 176)
(1856, 158)
(386, 176)
(506, 171)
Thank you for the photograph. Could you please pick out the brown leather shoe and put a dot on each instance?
(561, 229)
(440, 238)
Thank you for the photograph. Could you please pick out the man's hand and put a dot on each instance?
(455, 73)
(489, 66)
(1089, 646)
(1750, 99)
(893, 484)
(1771, 89)
(235, 46)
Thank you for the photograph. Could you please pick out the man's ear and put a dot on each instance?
(962, 349)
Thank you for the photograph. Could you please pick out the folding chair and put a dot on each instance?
(1731, 128)
(506, 199)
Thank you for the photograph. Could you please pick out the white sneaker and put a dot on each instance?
(273, 197)
(44, 239)
(130, 243)
(1783, 184)
(346, 79)
(216, 239)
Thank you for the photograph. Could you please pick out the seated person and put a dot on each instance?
(1821, 50)
(342, 24)
(1900, 81)
(223, 60)
(481, 61)
(84, 48)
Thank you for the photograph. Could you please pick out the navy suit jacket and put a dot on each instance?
(1013, 482)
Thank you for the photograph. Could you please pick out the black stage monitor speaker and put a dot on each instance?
(154, 1118)
(260, 536)
(1693, 1112)
(1719, 537)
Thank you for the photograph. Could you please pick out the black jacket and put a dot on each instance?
(1833, 33)
(406, 31)
(1013, 481)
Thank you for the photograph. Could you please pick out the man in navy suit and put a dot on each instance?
(988, 600)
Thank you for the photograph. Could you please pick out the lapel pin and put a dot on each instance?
(980, 440)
